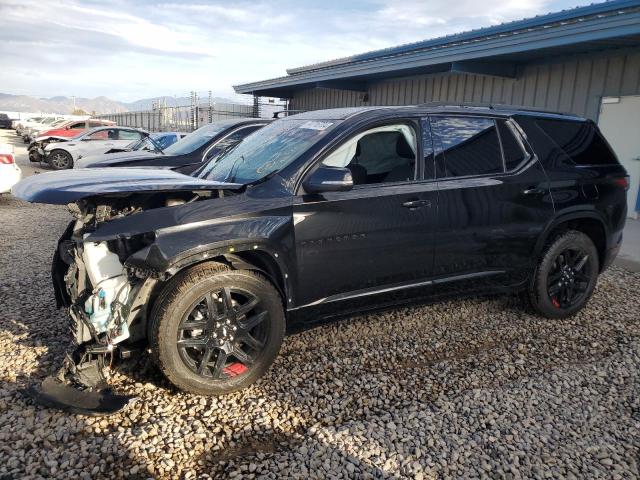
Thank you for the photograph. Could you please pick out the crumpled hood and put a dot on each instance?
(113, 159)
(66, 186)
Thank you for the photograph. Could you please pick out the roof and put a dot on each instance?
(492, 50)
(430, 108)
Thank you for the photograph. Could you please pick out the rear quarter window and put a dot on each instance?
(580, 141)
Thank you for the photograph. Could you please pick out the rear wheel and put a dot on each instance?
(566, 276)
(60, 159)
(216, 330)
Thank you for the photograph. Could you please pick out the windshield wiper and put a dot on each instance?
(263, 179)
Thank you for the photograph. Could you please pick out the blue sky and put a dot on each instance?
(138, 49)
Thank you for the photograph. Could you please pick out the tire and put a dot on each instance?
(565, 277)
(182, 331)
(34, 156)
(60, 159)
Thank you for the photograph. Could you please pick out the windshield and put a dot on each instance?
(196, 139)
(266, 151)
(145, 143)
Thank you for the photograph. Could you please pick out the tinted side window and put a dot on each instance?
(513, 153)
(76, 126)
(580, 140)
(467, 146)
(128, 135)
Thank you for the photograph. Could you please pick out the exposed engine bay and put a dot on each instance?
(107, 302)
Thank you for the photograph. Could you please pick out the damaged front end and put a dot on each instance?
(106, 306)
(97, 277)
(106, 300)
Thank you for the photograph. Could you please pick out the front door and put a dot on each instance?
(375, 238)
(619, 120)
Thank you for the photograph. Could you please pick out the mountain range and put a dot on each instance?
(65, 105)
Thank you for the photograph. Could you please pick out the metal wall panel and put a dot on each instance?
(572, 84)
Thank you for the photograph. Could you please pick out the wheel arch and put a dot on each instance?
(255, 256)
(588, 222)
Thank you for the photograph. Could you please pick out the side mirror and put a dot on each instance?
(329, 179)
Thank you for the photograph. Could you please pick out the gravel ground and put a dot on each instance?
(467, 388)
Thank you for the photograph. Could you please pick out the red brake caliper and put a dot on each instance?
(234, 369)
(555, 302)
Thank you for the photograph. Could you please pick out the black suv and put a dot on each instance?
(327, 213)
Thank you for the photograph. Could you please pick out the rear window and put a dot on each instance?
(514, 155)
(581, 141)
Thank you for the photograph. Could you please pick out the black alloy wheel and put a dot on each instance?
(568, 279)
(566, 275)
(214, 330)
(223, 334)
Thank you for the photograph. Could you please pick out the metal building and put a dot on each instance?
(584, 61)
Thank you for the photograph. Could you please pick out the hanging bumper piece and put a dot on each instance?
(81, 387)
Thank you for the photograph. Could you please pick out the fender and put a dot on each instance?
(152, 258)
(573, 214)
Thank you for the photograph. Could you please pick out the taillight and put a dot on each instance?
(6, 159)
(624, 182)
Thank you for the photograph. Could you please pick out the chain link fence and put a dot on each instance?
(187, 118)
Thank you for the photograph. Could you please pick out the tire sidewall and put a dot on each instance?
(167, 349)
(541, 299)
(66, 154)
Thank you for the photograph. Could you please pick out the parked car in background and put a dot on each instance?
(33, 131)
(73, 129)
(10, 172)
(5, 121)
(325, 214)
(95, 141)
(188, 153)
(64, 132)
(45, 124)
(23, 124)
(155, 142)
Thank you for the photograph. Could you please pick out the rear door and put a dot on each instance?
(376, 238)
(493, 202)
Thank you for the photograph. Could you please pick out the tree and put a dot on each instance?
(79, 111)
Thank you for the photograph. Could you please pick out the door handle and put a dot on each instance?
(415, 204)
(533, 191)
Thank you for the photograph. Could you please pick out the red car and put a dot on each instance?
(76, 127)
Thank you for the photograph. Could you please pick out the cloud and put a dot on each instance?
(132, 49)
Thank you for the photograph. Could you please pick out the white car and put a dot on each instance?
(26, 126)
(10, 173)
(95, 141)
(33, 131)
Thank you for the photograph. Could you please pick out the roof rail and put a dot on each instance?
(456, 105)
(286, 113)
(503, 106)
(495, 106)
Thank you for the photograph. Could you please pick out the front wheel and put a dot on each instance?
(565, 277)
(215, 330)
(60, 159)
(34, 156)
